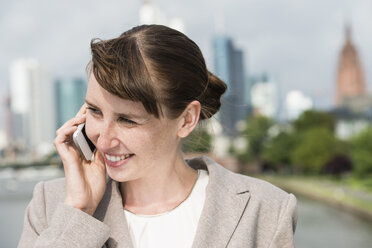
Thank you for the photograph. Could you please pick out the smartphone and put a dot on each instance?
(83, 143)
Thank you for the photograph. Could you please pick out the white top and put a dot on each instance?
(176, 228)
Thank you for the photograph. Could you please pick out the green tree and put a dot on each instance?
(315, 147)
(361, 153)
(256, 133)
(277, 151)
(313, 118)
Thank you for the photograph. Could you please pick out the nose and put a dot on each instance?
(107, 138)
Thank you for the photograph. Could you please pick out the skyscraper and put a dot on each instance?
(238, 79)
(229, 67)
(350, 78)
(223, 49)
(20, 98)
(31, 103)
(8, 120)
(70, 95)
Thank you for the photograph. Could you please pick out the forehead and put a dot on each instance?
(101, 98)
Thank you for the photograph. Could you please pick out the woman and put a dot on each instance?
(147, 90)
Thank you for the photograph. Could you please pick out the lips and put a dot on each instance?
(117, 160)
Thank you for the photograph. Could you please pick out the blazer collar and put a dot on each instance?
(225, 203)
(111, 212)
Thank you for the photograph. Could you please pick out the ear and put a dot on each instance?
(189, 119)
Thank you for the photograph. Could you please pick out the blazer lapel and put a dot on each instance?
(224, 206)
(111, 212)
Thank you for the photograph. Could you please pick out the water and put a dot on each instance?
(318, 225)
(11, 219)
(12, 208)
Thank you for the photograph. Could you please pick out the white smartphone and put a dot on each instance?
(83, 143)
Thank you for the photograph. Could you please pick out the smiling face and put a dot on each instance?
(135, 144)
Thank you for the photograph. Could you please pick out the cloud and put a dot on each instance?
(296, 41)
(59, 34)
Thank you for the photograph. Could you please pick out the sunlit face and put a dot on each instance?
(135, 144)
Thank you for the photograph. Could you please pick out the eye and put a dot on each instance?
(126, 121)
(93, 110)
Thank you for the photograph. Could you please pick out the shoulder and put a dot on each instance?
(261, 191)
(271, 202)
(270, 207)
(48, 194)
(261, 206)
(54, 188)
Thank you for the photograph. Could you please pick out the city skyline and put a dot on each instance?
(297, 43)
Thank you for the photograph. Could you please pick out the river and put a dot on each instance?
(318, 225)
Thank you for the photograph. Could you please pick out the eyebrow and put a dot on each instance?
(125, 115)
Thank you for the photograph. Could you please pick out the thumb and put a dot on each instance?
(99, 159)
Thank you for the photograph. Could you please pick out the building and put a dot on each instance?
(353, 110)
(349, 123)
(8, 119)
(223, 48)
(265, 97)
(20, 98)
(229, 67)
(70, 96)
(350, 78)
(32, 105)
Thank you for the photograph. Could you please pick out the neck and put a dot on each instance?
(161, 191)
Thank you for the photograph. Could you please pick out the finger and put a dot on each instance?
(66, 148)
(82, 110)
(72, 122)
(65, 135)
(98, 158)
(99, 161)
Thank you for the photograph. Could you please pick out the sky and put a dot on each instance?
(296, 42)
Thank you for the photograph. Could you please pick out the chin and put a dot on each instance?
(114, 174)
(117, 175)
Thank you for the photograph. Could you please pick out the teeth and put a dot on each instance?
(116, 158)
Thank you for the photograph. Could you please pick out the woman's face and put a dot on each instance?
(133, 142)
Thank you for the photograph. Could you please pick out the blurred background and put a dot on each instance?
(298, 111)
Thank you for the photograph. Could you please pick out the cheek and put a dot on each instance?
(92, 129)
(163, 139)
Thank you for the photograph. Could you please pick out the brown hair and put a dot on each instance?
(156, 65)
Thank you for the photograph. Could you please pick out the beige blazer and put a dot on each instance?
(239, 211)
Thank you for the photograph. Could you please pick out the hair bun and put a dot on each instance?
(211, 100)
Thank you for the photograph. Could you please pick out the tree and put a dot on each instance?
(339, 164)
(256, 133)
(277, 151)
(312, 118)
(316, 147)
(361, 153)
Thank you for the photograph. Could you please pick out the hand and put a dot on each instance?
(85, 180)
